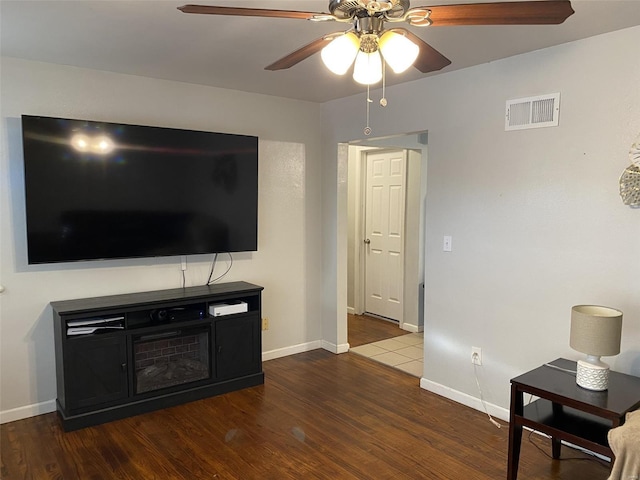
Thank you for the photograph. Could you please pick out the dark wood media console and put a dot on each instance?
(122, 355)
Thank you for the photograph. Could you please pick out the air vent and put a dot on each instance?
(532, 112)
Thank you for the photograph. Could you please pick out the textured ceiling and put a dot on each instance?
(152, 38)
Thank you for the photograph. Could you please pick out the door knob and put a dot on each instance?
(367, 241)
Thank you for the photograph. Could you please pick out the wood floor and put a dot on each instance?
(318, 416)
(363, 329)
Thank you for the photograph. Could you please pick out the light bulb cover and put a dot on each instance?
(80, 142)
(398, 51)
(339, 54)
(102, 145)
(368, 68)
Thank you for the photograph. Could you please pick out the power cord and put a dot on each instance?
(555, 367)
(484, 405)
(213, 265)
(590, 458)
(540, 449)
(183, 267)
(209, 282)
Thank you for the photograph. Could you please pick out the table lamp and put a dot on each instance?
(596, 331)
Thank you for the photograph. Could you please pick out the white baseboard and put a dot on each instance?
(412, 328)
(27, 411)
(292, 350)
(351, 310)
(305, 347)
(333, 348)
(464, 399)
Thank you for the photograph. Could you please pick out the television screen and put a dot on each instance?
(97, 190)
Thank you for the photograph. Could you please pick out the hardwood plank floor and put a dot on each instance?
(362, 329)
(318, 416)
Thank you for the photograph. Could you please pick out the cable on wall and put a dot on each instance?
(210, 281)
(213, 265)
(183, 267)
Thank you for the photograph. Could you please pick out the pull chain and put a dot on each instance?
(367, 129)
(383, 100)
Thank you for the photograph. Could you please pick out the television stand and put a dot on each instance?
(122, 355)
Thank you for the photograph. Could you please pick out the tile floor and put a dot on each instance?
(404, 352)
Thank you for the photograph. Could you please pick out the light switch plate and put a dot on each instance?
(446, 246)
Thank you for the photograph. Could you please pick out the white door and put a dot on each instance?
(384, 233)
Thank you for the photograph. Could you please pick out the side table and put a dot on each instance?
(566, 411)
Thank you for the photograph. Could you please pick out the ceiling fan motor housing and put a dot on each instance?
(373, 25)
(345, 9)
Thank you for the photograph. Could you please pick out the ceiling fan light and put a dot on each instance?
(339, 54)
(80, 142)
(398, 51)
(368, 68)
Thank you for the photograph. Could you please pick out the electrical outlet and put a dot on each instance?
(476, 355)
(265, 324)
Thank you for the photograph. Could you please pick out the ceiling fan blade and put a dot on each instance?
(429, 59)
(537, 12)
(248, 12)
(302, 53)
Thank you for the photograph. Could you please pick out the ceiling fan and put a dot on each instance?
(368, 35)
(370, 46)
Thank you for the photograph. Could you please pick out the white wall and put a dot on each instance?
(287, 264)
(535, 215)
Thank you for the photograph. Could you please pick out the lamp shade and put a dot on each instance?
(398, 51)
(368, 68)
(339, 54)
(596, 330)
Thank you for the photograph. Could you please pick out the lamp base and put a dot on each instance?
(593, 376)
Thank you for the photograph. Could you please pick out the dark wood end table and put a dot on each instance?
(566, 411)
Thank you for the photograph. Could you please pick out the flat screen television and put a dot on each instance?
(97, 190)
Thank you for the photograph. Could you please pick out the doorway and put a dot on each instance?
(408, 287)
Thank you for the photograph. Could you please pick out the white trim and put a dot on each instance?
(359, 231)
(333, 348)
(292, 350)
(27, 411)
(464, 399)
(351, 310)
(409, 327)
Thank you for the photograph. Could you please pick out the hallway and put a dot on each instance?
(384, 342)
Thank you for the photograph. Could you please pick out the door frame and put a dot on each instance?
(414, 143)
(359, 264)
